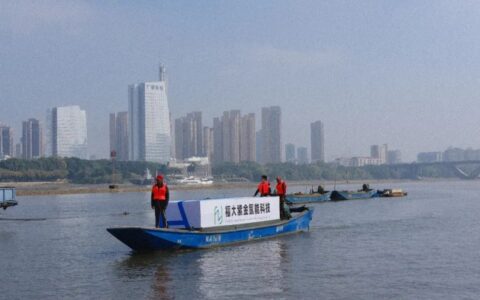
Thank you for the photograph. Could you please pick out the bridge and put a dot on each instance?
(468, 169)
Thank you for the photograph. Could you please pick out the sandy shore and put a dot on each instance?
(59, 188)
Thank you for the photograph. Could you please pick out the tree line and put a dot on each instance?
(76, 170)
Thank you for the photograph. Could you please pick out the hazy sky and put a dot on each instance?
(406, 73)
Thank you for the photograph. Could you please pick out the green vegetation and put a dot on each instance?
(328, 171)
(100, 171)
(74, 170)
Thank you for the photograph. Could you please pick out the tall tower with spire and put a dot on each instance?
(149, 120)
(161, 73)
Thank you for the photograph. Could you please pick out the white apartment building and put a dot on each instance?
(67, 132)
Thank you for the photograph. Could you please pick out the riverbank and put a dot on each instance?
(64, 188)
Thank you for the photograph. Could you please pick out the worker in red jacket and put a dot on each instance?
(281, 192)
(159, 201)
(263, 187)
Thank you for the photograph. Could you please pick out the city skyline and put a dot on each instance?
(325, 61)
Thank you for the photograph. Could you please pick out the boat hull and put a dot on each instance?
(352, 195)
(307, 198)
(149, 239)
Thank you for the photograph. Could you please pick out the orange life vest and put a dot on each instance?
(159, 193)
(264, 188)
(281, 188)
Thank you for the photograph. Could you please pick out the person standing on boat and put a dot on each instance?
(263, 187)
(159, 201)
(281, 192)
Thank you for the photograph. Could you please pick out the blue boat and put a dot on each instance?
(148, 239)
(352, 195)
(300, 198)
(7, 197)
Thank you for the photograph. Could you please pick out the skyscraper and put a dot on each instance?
(379, 152)
(32, 139)
(234, 137)
(217, 141)
(302, 155)
(208, 142)
(271, 135)
(188, 136)
(290, 152)
(67, 132)
(6, 141)
(317, 142)
(149, 121)
(119, 135)
(247, 138)
(113, 132)
(394, 157)
(231, 135)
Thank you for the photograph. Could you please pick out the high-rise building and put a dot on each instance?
(173, 150)
(6, 141)
(32, 139)
(379, 152)
(208, 143)
(247, 138)
(149, 121)
(234, 137)
(290, 153)
(317, 141)
(259, 147)
(188, 136)
(67, 132)
(231, 136)
(302, 155)
(394, 157)
(119, 135)
(271, 135)
(217, 141)
(197, 133)
(113, 132)
(178, 139)
(18, 150)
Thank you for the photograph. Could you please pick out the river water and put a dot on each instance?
(424, 246)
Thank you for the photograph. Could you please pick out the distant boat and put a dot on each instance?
(195, 180)
(148, 239)
(8, 197)
(300, 198)
(392, 193)
(352, 195)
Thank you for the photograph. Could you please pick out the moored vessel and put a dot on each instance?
(8, 197)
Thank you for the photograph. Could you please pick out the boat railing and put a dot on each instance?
(7, 197)
(7, 194)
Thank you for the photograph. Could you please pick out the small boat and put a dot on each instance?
(392, 193)
(8, 197)
(192, 180)
(301, 198)
(352, 195)
(148, 239)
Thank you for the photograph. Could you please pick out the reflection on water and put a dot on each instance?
(255, 269)
(241, 268)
